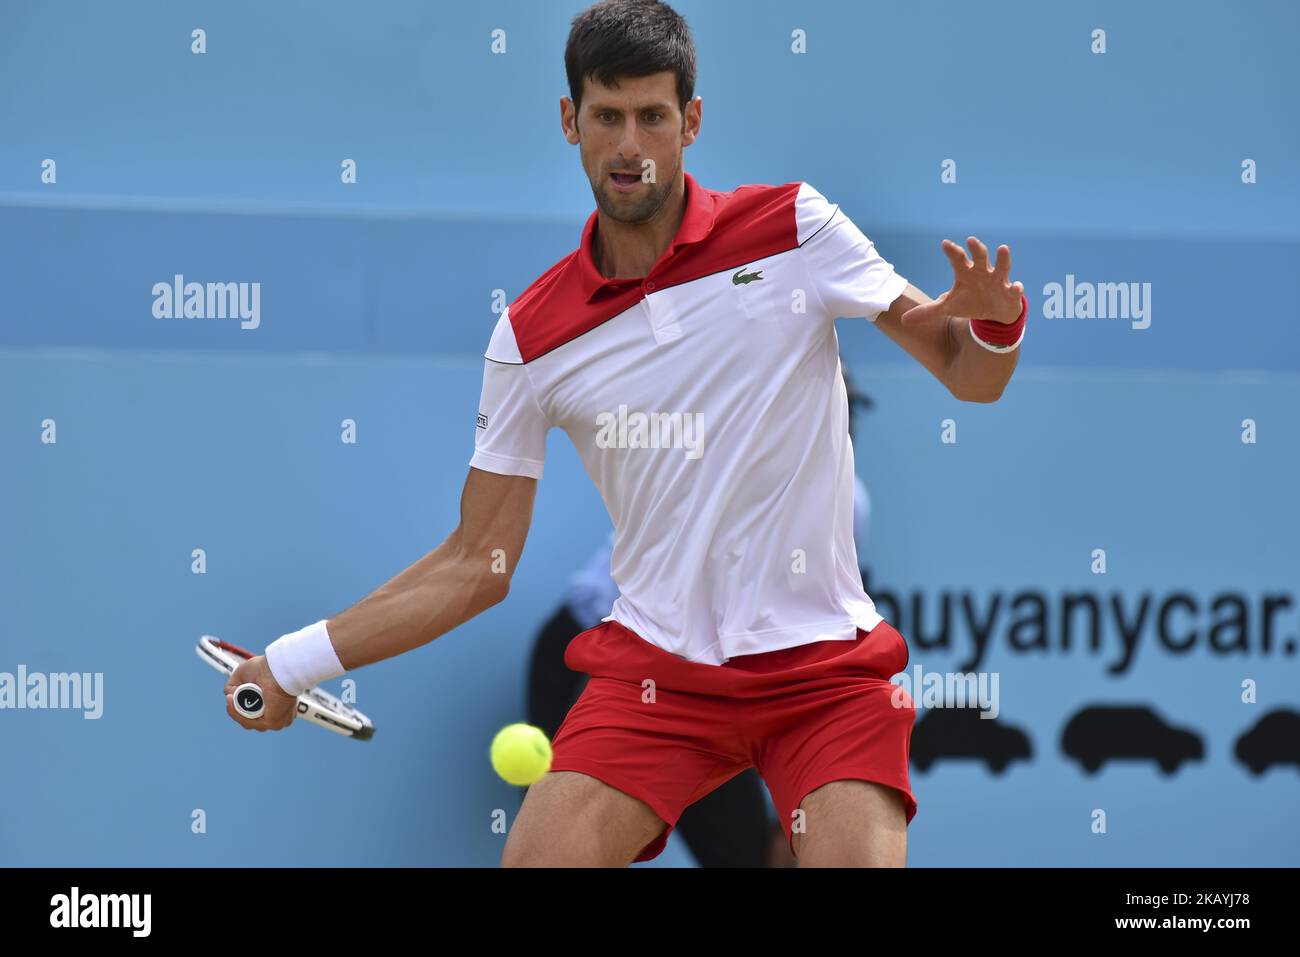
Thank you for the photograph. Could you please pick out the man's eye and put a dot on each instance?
(654, 117)
(604, 117)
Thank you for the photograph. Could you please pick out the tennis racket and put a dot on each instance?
(317, 706)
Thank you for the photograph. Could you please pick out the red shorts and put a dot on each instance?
(803, 716)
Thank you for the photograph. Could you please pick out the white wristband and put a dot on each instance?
(303, 659)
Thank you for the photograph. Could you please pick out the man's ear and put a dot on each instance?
(567, 108)
(692, 105)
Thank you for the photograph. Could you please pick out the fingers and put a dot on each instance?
(1002, 268)
(269, 721)
(979, 257)
(956, 255)
(979, 253)
(281, 708)
(236, 677)
(239, 718)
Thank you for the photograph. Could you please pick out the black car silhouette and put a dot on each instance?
(1275, 739)
(1100, 733)
(962, 733)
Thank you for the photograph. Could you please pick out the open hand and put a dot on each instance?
(979, 290)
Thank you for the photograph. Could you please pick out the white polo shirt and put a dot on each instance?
(706, 403)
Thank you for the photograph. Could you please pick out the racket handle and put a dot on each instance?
(249, 701)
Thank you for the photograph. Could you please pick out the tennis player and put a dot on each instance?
(688, 349)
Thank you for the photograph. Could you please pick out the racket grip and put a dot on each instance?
(249, 701)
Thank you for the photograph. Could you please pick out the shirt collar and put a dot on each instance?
(697, 222)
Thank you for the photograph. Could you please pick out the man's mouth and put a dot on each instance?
(626, 179)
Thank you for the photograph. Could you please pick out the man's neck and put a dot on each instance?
(629, 250)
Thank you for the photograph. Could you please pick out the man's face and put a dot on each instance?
(631, 137)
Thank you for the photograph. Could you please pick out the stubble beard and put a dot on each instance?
(616, 206)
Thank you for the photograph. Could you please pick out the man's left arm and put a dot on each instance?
(937, 333)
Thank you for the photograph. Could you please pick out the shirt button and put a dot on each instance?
(649, 287)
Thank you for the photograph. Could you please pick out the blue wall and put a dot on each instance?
(377, 303)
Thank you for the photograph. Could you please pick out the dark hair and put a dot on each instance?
(629, 38)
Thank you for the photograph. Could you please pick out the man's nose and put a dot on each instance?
(629, 146)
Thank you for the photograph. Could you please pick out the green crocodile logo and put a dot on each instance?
(742, 278)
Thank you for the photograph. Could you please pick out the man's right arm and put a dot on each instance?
(464, 576)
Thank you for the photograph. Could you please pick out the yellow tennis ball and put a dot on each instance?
(521, 754)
